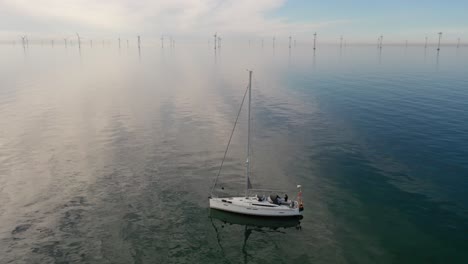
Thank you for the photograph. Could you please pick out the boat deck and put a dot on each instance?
(252, 206)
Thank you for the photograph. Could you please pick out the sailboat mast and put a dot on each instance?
(248, 138)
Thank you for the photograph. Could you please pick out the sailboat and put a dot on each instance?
(252, 203)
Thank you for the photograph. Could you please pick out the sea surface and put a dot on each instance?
(108, 155)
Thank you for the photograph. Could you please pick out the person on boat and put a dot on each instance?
(261, 198)
(275, 199)
(285, 197)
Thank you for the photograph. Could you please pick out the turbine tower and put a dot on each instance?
(315, 39)
(215, 38)
(23, 39)
(440, 36)
(79, 41)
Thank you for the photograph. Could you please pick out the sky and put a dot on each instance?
(357, 20)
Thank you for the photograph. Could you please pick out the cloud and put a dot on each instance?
(177, 17)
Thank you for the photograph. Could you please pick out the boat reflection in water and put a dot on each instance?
(251, 224)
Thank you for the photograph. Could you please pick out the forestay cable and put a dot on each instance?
(229, 142)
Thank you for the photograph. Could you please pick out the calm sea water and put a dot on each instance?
(108, 155)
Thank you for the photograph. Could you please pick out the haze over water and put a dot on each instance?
(108, 155)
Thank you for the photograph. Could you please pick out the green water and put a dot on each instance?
(108, 155)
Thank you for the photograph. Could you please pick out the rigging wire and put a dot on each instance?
(229, 142)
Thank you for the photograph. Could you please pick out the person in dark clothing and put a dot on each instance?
(285, 197)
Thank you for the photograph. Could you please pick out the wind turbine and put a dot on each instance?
(458, 43)
(425, 44)
(290, 42)
(79, 40)
(440, 36)
(23, 40)
(341, 41)
(315, 39)
(215, 38)
(381, 40)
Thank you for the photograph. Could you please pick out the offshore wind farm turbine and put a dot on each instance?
(458, 43)
(438, 45)
(23, 40)
(425, 44)
(79, 41)
(315, 39)
(215, 38)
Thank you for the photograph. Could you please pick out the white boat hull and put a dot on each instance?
(251, 206)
